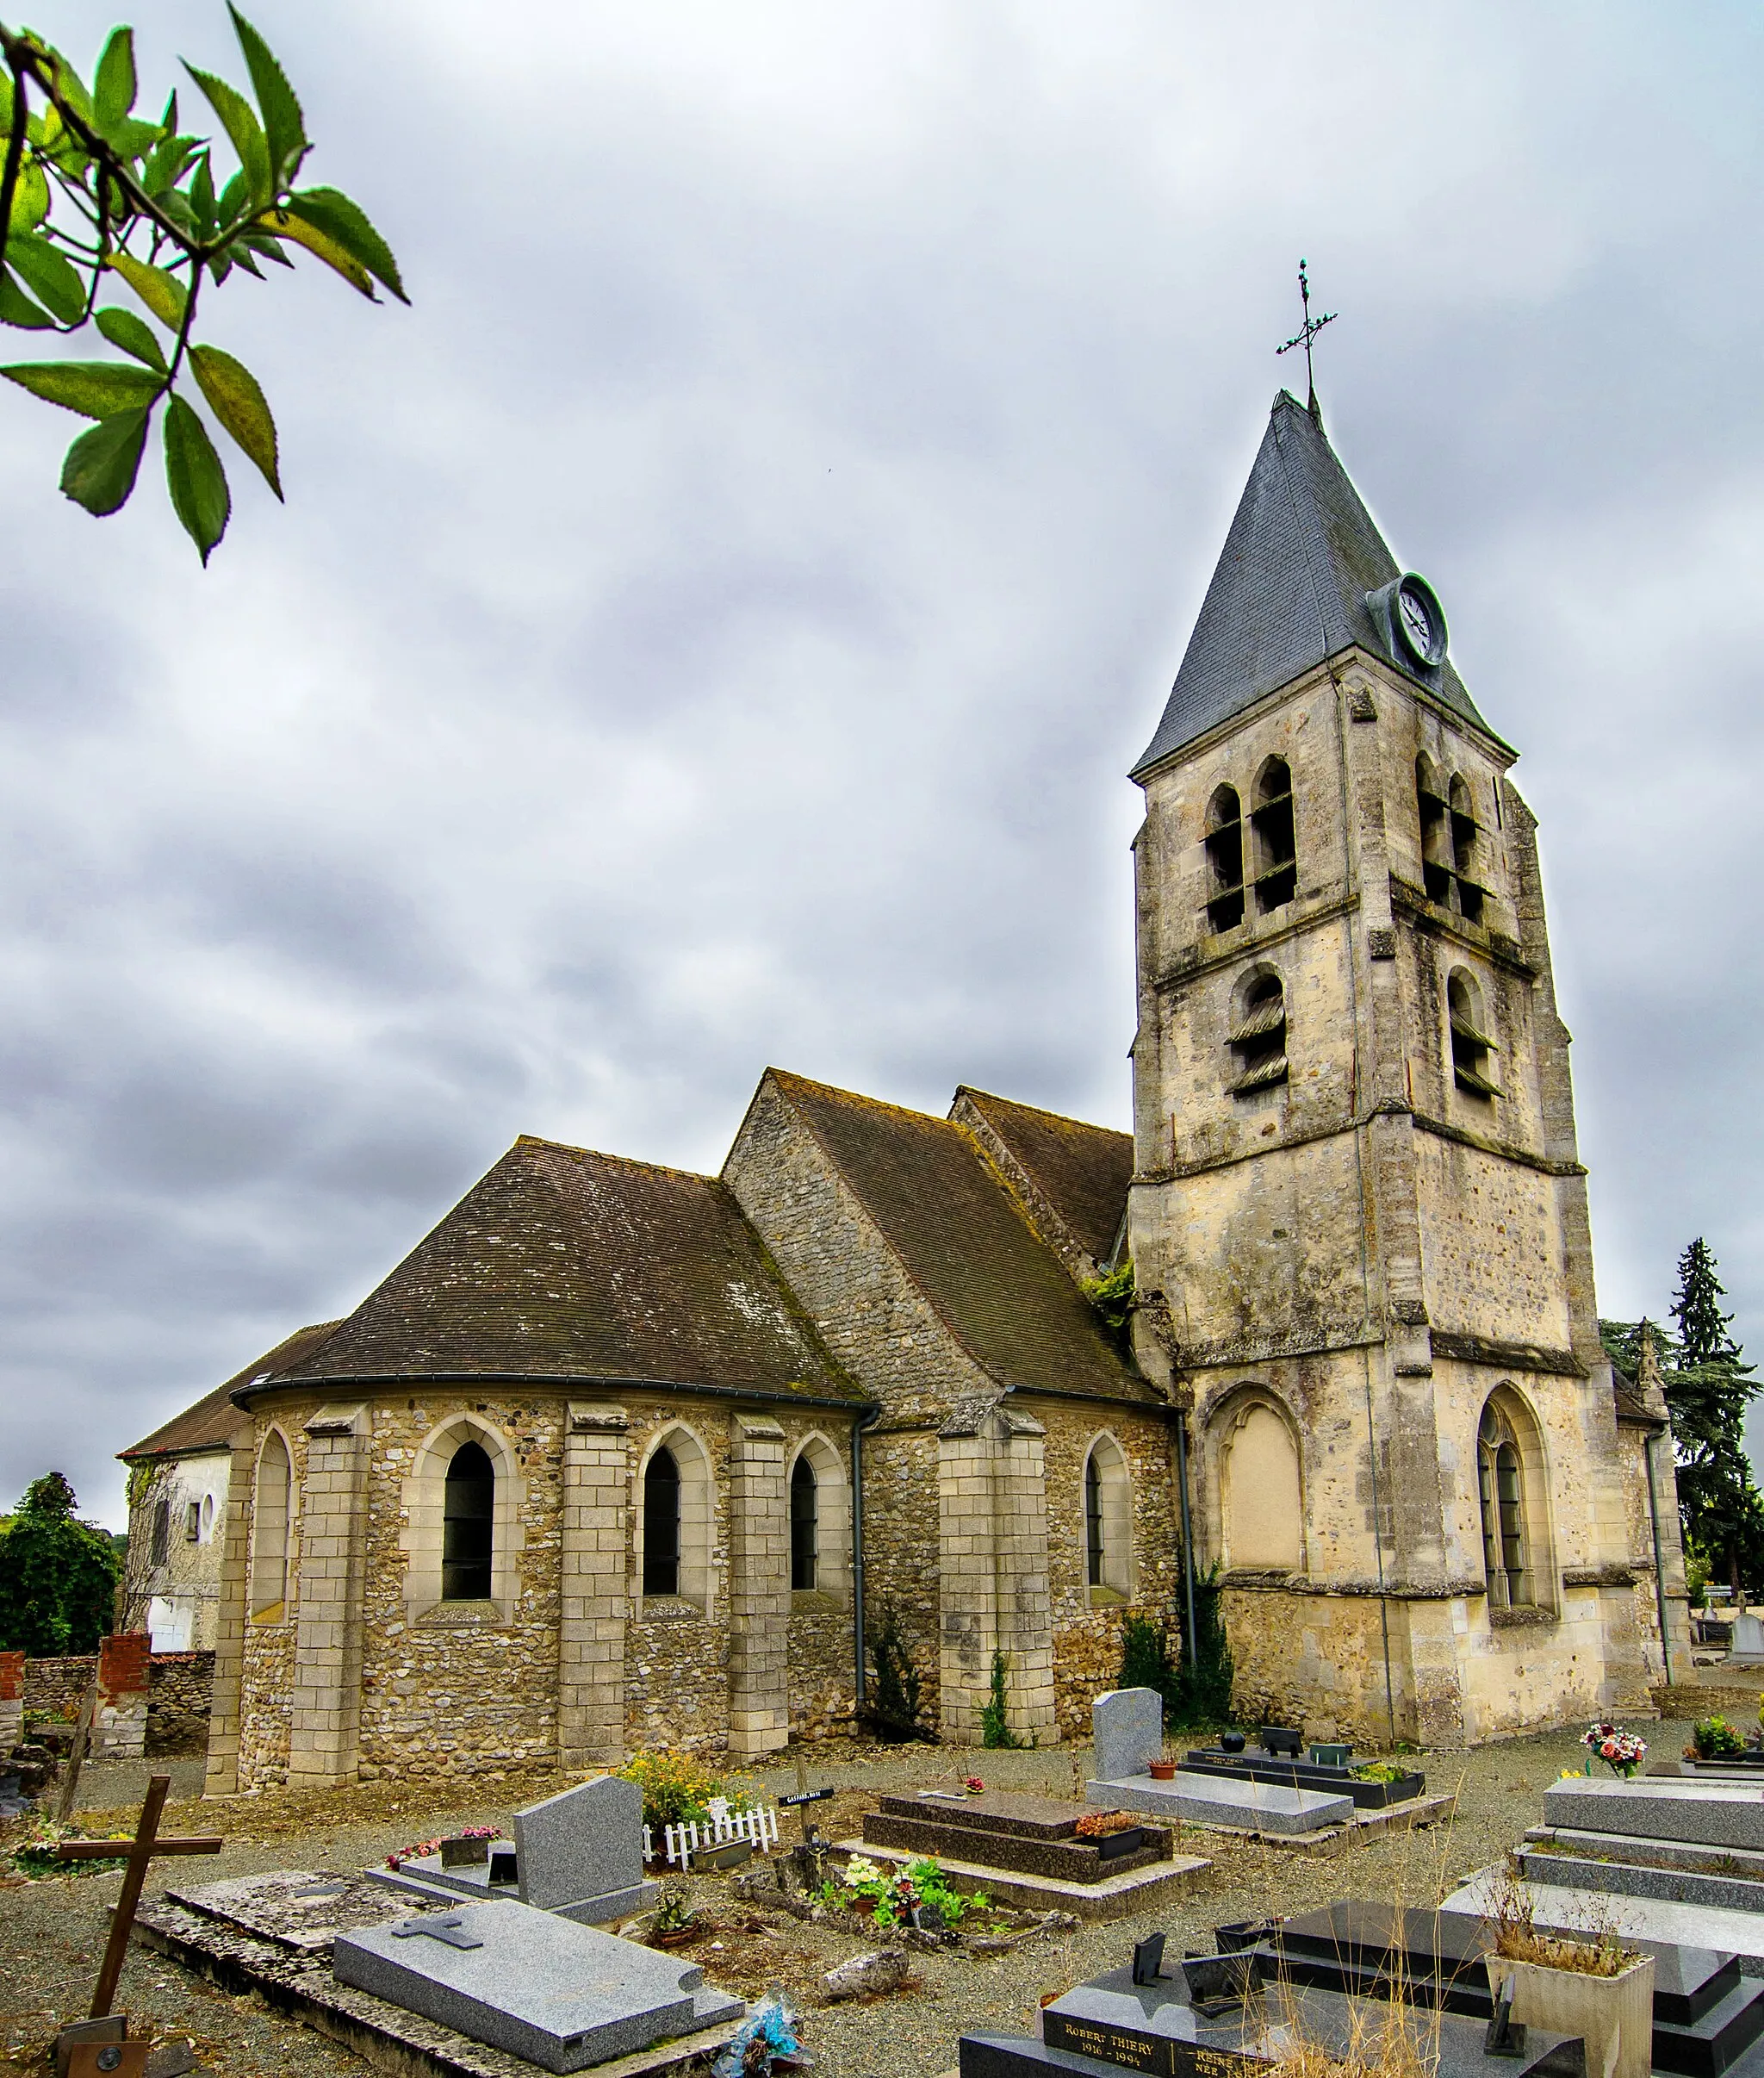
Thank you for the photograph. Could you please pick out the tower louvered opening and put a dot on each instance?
(1225, 860)
(1258, 1037)
(1276, 839)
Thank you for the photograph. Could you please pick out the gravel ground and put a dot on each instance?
(51, 1931)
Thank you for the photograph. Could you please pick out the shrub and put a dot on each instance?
(1713, 1739)
(675, 1787)
(995, 1715)
(894, 1707)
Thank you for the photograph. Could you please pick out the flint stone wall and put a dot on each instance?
(180, 1685)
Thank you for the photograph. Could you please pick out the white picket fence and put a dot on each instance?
(722, 1825)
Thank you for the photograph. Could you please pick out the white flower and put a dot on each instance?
(860, 1869)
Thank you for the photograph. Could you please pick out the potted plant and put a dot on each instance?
(1588, 1985)
(1713, 1739)
(676, 1922)
(1163, 1770)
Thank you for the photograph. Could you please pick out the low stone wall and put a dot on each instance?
(177, 1695)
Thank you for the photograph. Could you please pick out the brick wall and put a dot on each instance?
(180, 1685)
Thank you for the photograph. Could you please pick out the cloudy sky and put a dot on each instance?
(712, 625)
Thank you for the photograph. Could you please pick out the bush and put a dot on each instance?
(675, 1787)
(58, 1576)
(893, 1708)
(1713, 1739)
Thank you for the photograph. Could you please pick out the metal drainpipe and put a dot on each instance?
(858, 1426)
(1188, 1541)
(1659, 1575)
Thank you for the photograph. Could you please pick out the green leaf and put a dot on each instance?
(238, 119)
(201, 195)
(236, 401)
(114, 82)
(283, 124)
(30, 198)
(345, 226)
(69, 85)
(195, 477)
(99, 472)
(96, 390)
(283, 224)
(17, 307)
(49, 275)
(124, 329)
(162, 292)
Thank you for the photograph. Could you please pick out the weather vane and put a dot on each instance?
(1305, 334)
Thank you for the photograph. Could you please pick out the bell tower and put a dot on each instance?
(1356, 1183)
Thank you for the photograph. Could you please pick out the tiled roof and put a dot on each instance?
(962, 1239)
(1083, 1171)
(563, 1263)
(1290, 589)
(208, 1423)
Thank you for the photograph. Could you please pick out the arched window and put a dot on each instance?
(1505, 1545)
(662, 1524)
(1470, 894)
(1225, 860)
(1276, 843)
(161, 1550)
(467, 1516)
(1472, 1050)
(1257, 1037)
(805, 1528)
(271, 1497)
(1108, 1524)
(1262, 1498)
(1436, 861)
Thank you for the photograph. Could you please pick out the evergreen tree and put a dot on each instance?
(58, 1575)
(1707, 1386)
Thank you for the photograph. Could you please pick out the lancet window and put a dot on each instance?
(467, 1516)
(1472, 1050)
(1501, 1470)
(1225, 860)
(662, 1524)
(804, 1526)
(1257, 1038)
(271, 1497)
(1277, 841)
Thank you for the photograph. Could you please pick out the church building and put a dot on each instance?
(624, 1456)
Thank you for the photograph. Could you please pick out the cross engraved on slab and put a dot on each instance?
(439, 1927)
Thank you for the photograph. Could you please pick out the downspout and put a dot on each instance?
(862, 1422)
(1659, 1573)
(1188, 1541)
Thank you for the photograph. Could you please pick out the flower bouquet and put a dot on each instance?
(1622, 1752)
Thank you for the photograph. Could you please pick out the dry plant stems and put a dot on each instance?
(1598, 1951)
(92, 196)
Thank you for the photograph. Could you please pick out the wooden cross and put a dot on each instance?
(145, 1844)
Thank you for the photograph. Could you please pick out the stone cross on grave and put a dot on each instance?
(446, 1926)
(142, 1850)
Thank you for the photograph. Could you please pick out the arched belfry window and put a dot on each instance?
(1464, 832)
(1505, 1544)
(1107, 1500)
(1436, 837)
(1261, 1490)
(271, 1497)
(1472, 1050)
(662, 1524)
(805, 1528)
(1225, 860)
(1258, 1036)
(1277, 843)
(468, 1514)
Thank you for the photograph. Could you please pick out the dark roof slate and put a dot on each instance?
(208, 1423)
(1290, 589)
(962, 1239)
(1083, 1171)
(565, 1263)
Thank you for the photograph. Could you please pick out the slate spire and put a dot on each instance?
(1290, 589)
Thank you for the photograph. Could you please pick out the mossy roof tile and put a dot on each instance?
(565, 1263)
(1083, 1171)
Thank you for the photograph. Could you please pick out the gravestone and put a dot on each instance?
(1748, 1649)
(1126, 1730)
(1717, 1814)
(580, 1853)
(532, 1983)
(1234, 1804)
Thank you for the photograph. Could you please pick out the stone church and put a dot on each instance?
(621, 1455)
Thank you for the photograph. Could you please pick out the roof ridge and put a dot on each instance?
(967, 1089)
(854, 1097)
(623, 1161)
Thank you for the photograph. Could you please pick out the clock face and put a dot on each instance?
(1419, 622)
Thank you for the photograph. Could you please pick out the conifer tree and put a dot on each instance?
(1707, 1388)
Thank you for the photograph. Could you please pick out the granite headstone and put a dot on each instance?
(1127, 1729)
(580, 1853)
(1748, 1647)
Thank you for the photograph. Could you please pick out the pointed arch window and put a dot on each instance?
(804, 1526)
(1472, 1050)
(1505, 1545)
(272, 1496)
(467, 1516)
(1465, 830)
(1225, 860)
(1258, 1034)
(1107, 1497)
(1277, 841)
(662, 1524)
(1435, 840)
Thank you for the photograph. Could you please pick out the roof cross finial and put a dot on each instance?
(1303, 337)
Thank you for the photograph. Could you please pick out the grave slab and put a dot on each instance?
(299, 1910)
(528, 1981)
(1126, 1731)
(580, 1853)
(1566, 1908)
(1115, 1897)
(1714, 1813)
(1209, 1800)
(1028, 1835)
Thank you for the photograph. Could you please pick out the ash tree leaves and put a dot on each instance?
(94, 197)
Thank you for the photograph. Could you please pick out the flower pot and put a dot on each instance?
(675, 1938)
(1163, 1771)
(1613, 2016)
